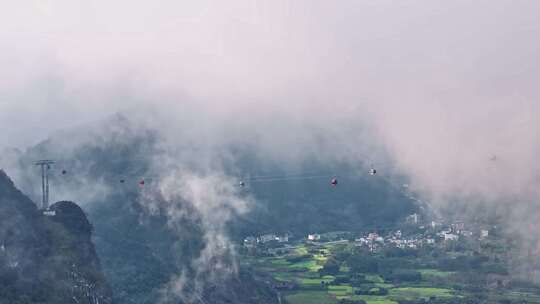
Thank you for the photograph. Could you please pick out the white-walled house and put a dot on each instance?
(314, 237)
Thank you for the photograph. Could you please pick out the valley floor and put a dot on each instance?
(296, 271)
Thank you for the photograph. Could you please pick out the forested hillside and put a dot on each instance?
(141, 251)
(46, 259)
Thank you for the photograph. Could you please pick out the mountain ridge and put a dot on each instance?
(46, 259)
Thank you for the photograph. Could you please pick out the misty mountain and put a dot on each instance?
(47, 259)
(147, 240)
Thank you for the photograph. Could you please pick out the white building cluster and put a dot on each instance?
(432, 234)
(252, 241)
(426, 234)
(375, 242)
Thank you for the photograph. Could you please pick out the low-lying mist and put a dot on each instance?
(441, 93)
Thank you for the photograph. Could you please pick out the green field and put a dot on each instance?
(312, 265)
(420, 292)
(311, 288)
(341, 291)
(435, 273)
(375, 278)
(374, 299)
(306, 297)
(300, 267)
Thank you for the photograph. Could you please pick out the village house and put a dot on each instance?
(283, 238)
(250, 242)
(484, 233)
(458, 226)
(314, 237)
(265, 238)
(466, 233)
(372, 236)
(450, 237)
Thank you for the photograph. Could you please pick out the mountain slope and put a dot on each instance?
(46, 259)
(142, 250)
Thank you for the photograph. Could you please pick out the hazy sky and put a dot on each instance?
(438, 86)
(442, 85)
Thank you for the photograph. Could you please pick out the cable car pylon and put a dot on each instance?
(45, 165)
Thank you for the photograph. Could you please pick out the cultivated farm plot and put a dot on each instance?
(435, 273)
(311, 297)
(341, 291)
(420, 292)
(311, 288)
(374, 299)
(311, 265)
(525, 297)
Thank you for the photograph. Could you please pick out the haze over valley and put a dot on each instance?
(270, 152)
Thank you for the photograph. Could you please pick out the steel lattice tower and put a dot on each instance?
(45, 165)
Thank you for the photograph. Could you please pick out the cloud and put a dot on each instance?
(430, 89)
(215, 201)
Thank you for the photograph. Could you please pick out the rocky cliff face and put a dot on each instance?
(46, 259)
